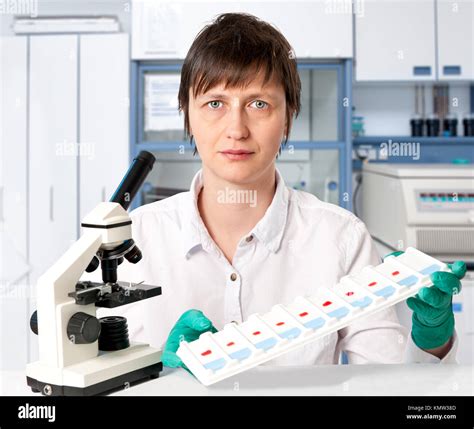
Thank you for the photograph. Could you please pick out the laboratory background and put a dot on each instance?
(386, 128)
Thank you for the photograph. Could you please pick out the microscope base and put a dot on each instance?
(103, 374)
(104, 387)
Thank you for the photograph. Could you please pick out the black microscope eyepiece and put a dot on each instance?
(126, 191)
(133, 179)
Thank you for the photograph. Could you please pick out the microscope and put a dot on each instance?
(79, 354)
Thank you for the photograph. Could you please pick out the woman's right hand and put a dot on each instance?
(189, 327)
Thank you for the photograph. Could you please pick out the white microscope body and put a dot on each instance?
(70, 362)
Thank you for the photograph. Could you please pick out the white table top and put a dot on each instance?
(330, 380)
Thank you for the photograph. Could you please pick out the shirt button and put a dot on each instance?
(233, 277)
(249, 238)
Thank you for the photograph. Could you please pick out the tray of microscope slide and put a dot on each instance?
(262, 337)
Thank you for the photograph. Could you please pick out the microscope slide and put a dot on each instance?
(238, 347)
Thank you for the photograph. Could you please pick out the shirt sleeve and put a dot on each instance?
(416, 355)
(378, 338)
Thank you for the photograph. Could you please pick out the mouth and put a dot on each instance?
(237, 154)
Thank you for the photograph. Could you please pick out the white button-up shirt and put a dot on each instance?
(301, 244)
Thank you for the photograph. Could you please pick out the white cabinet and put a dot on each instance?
(455, 39)
(52, 169)
(64, 148)
(14, 266)
(315, 29)
(13, 149)
(395, 40)
(53, 121)
(104, 117)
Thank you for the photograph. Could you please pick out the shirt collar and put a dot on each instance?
(269, 230)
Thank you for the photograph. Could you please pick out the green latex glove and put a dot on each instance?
(433, 317)
(189, 327)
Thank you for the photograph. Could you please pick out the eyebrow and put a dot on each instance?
(225, 97)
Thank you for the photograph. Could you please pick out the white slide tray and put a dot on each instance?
(239, 347)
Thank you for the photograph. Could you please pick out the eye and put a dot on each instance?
(214, 104)
(260, 105)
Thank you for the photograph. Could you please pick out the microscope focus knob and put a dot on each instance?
(93, 264)
(83, 328)
(34, 322)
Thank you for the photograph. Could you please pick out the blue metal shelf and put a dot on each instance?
(432, 150)
(370, 140)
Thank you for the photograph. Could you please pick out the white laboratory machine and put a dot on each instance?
(430, 207)
(427, 206)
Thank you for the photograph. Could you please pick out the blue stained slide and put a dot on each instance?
(241, 354)
(430, 269)
(315, 323)
(362, 302)
(266, 344)
(215, 364)
(291, 333)
(408, 281)
(386, 291)
(339, 313)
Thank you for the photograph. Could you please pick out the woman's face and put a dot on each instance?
(238, 131)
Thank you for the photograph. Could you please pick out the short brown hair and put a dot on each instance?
(232, 49)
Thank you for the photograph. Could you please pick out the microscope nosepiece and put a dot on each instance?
(134, 255)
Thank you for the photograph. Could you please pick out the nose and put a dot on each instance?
(237, 127)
